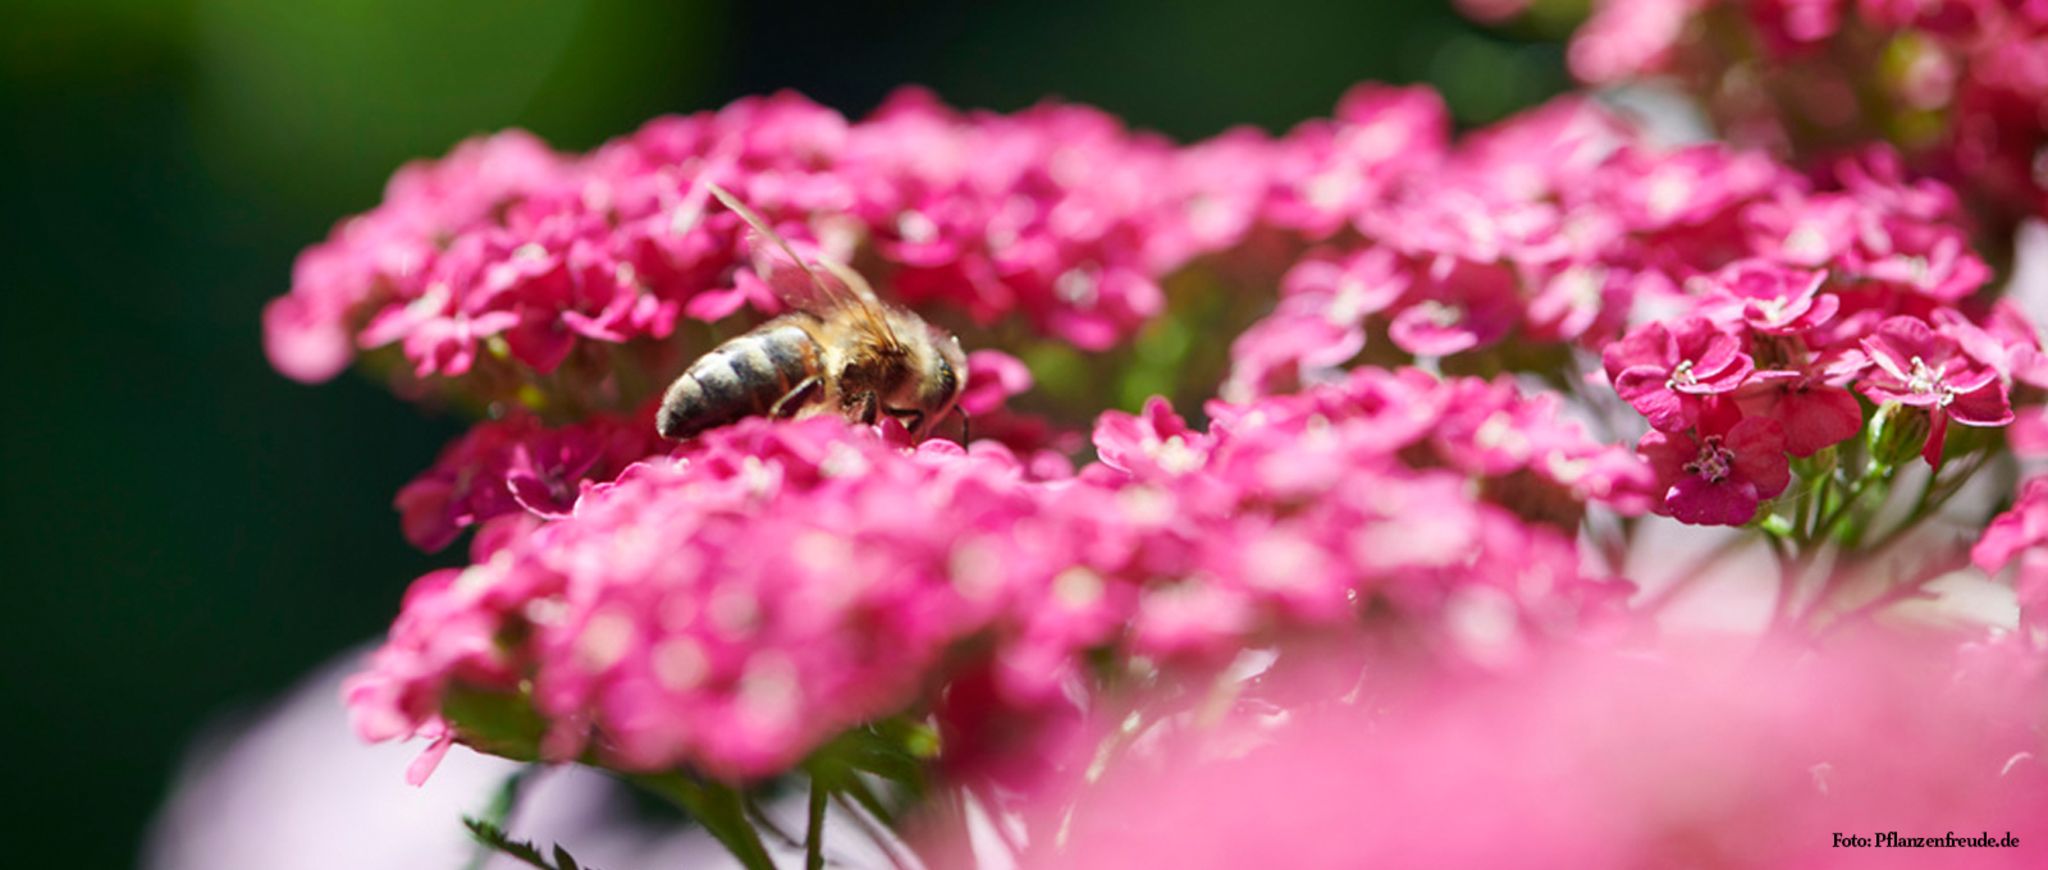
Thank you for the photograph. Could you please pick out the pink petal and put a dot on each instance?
(1667, 453)
(1818, 418)
(1720, 351)
(1418, 331)
(1880, 392)
(301, 344)
(422, 767)
(1962, 377)
(1759, 446)
(1724, 379)
(1937, 435)
(1824, 308)
(424, 513)
(1986, 406)
(1899, 339)
(2029, 434)
(713, 305)
(1695, 501)
(992, 378)
(1643, 387)
(1650, 345)
(2003, 539)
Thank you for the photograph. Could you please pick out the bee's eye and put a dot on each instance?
(949, 381)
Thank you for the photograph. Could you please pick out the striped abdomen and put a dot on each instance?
(743, 377)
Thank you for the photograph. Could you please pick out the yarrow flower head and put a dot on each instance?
(735, 605)
(506, 260)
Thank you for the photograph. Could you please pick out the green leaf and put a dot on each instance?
(494, 722)
(503, 800)
(522, 851)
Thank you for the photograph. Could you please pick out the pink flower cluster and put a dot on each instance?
(1566, 224)
(1759, 297)
(506, 252)
(1552, 227)
(1709, 757)
(771, 584)
(505, 261)
(1724, 424)
(518, 467)
(1866, 282)
(1958, 84)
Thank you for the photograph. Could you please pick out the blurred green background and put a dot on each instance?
(188, 532)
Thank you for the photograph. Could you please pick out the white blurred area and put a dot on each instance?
(1695, 590)
(292, 788)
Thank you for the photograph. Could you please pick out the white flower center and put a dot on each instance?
(1681, 375)
(1926, 381)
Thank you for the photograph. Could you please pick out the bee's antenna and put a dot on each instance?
(761, 226)
(966, 430)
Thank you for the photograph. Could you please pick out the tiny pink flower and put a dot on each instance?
(2019, 534)
(992, 378)
(1933, 260)
(2022, 527)
(1666, 374)
(1629, 38)
(1918, 367)
(1808, 231)
(1788, 26)
(1155, 442)
(1720, 477)
(2008, 342)
(1589, 301)
(1464, 305)
(1770, 298)
(2029, 433)
(1284, 352)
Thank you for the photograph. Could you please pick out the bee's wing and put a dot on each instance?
(801, 286)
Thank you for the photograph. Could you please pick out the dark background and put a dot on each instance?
(187, 532)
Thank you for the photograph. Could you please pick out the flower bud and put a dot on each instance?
(1897, 433)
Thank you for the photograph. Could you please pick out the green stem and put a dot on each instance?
(1788, 578)
(767, 823)
(814, 836)
(1934, 495)
(876, 833)
(1823, 492)
(1826, 525)
(1801, 499)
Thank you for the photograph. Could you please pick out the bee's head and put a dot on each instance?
(941, 368)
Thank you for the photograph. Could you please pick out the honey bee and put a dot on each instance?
(840, 351)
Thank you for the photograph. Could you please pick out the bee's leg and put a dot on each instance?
(864, 407)
(797, 397)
